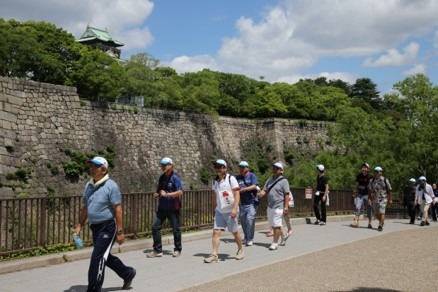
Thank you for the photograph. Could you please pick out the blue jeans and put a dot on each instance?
(160, 216)
(361, 200)
(247, 219)
(104, 235)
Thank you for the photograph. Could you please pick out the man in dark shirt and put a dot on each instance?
(361, 195)
(409, 199)
(322, 190)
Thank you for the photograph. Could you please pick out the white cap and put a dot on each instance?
(278, 165)
(220, 162)
(320, 167)
(166, 161)
(99, 161)
(412, 180)
(243, 164)
(378, 169)
(422, 178)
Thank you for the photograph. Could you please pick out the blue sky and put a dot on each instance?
(282, 40)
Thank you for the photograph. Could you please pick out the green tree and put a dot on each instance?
(366, 90)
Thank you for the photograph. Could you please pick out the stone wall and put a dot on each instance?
(39, 121)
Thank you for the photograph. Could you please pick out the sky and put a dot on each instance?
(278, 40)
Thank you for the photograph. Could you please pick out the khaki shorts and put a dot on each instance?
(380, 207)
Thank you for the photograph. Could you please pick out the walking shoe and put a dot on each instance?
(128, 281)
(154, 254)
(211, 259)
(427, 223)
(240, 254)
(284, 239)
(176, 253)
(273, 246)
(322, 223)
(354, 224)
(411, 222)
(380, 228)
(370, 226)
(317, 222)
(422, 223)
(249, 243)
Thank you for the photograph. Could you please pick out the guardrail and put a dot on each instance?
(30, 223)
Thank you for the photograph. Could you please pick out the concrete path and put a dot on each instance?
(310, 256)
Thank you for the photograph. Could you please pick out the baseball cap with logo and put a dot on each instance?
(99, 161)
(244, 164)
(166, 161)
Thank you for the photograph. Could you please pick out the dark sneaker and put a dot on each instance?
(370, 226)
(427, 223)
(317, 222)
(411, 222)
(422, 223)
(380, 228)
(128, 281)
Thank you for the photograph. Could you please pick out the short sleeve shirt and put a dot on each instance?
(380, 187)
(247, 198)
(171, 203)
(277, 194)
(321, 182)
(363, 181)
(229, 183)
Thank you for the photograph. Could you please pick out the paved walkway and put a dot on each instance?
(316, 258)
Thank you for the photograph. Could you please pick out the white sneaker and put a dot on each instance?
(249, 243)
(273, 246)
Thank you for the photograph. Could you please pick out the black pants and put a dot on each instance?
(434, 209)
(104, 235)
(316, 202)
(411, 211)
(159, 218)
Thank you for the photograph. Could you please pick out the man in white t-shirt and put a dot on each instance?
(424, 196)
(227, 192)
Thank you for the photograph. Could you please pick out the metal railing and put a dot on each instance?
(31, 223)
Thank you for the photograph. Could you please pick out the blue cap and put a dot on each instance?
(99, 161)
(220, 162)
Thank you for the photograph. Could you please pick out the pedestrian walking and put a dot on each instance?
(249, 201)
(102, 205)
(169, 191)
(409, 199)
(379, 190)
(425, 198)
(277, 190)
(361, 195)
(435, 201)
(226, 190)
(321, 194)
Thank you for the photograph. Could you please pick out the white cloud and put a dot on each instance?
(394, 58)
(419, 68)
(193, 64)
(344, 76)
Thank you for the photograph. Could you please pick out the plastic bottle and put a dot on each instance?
(77, 240)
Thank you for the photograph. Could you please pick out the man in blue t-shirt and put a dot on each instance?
(248, 201)
(169, 191)
(101, 204)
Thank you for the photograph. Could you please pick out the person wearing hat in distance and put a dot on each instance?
(361, 195)
(248, 201)
(424, 196)
(226, 190)
(322, 190)
(169, 191)
(101, 204)
(379, 190)
(409, 199)
(277, 189)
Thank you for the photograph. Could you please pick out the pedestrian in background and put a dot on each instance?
(248, 201)
(102, 205)
(226, 190)
(169, 191)
(409, 199)
(379, 190)
(424, 197)
(321, 194)
(435, 205)
(361, 195)
(277, 189)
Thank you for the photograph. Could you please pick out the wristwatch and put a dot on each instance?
(120, 231)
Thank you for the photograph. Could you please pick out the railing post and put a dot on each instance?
(43, 223)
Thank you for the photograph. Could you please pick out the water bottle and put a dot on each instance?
(77, 240)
